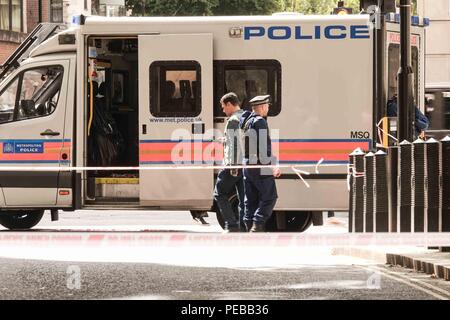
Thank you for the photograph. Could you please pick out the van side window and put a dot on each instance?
(34, 93)
(175, 89)
(39, 92)
(248, 78)
(8, 101)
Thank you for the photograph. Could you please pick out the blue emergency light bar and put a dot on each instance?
(78, 20)
(415, 20)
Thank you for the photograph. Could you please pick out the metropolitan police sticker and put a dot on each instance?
(29, 147)
(8, 147)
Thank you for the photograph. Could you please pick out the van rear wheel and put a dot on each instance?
(292, 221)
(289, 221)
(21, 220)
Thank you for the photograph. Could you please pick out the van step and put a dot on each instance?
(116, 180)
(117, 188)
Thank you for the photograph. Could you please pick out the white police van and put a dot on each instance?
(123, 92)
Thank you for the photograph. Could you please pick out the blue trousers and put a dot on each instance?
(226, 186)
(260, 196)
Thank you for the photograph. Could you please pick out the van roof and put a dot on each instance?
(122, 25)
(99, 20)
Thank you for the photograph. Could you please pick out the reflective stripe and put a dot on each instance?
(287, 151)
(40, 151)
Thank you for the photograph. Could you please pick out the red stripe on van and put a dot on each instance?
(286, 151)
(51, 152)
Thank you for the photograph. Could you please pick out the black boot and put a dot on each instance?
(257, 228)
(248, 225)
(231, 229)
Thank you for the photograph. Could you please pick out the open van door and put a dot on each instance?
(175, 119)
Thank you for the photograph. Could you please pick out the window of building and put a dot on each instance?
(175, 89)
(38, 91)
(56, 11)
(248, 78)
(394, 65)
(16, 15)
(11, 15)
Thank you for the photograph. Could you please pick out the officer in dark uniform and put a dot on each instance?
(259, 183)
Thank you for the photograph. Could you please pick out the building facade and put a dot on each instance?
(437, 40)
(19, 17)
(109, 8)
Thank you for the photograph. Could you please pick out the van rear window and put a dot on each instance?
(247, 79)
(175, 89)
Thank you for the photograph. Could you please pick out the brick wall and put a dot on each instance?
(45, 10)
(6, 49)
(31, 12)
(32, 8)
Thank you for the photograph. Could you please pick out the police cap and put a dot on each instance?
(258, 100)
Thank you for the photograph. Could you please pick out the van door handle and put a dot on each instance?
(49, 132)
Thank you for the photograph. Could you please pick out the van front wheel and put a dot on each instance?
(21, 220)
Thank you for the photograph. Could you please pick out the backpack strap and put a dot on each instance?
(247, 123)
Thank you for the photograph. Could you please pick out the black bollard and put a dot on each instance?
(357, 190)
(445, 145)
(405, 188)
(369, 180)
(433, 187)
(419, 178)
(392, 173)
(381, 197)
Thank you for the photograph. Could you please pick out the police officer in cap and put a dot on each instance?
(259, 183)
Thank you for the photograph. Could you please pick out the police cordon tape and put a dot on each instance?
(150, 237)
(167, 167)
(294, 168)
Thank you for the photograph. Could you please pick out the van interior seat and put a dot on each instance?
(169, 91)
(194, 89)
(250, 92)
(186, 94)
(185, 89)
(28, 108)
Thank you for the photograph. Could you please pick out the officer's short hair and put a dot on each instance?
(232, 98)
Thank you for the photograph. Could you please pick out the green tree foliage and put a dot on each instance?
(317, 6)
(236, 7)
(202, 7)
(326, 6)
(248, 7)
(171, 7)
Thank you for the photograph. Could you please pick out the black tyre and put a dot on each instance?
(21, 220)
(296, 221)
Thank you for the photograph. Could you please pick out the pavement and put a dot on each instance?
(428, 261)
(47, 279)
(433, 261)
(166, 255)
